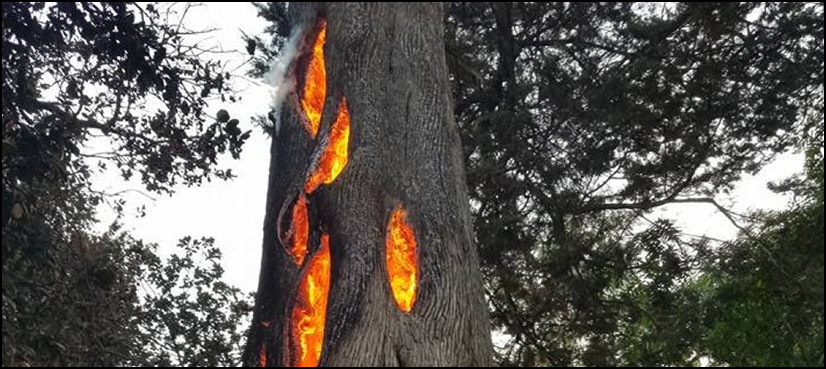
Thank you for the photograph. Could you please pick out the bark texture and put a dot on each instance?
(387, 60)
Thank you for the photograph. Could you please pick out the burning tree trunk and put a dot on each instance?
(368, 252)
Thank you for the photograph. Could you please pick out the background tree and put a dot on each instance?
(76, 77)
(579, 118)
(189, 315)
(72, 70)
(771, 280)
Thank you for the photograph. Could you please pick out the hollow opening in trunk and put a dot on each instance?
(402, 260)
(314, 91)
(333, 158)
(309, 312)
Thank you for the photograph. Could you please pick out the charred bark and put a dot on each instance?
(387, 61)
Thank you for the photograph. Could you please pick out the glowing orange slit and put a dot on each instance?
(402, 263)
(310, 310)
(300, 229)
(262, 356)
(315, 83)
(334, 157)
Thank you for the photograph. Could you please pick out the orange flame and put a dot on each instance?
(300, 229)
(315, 83)
(334, 158)
(262, 356)
(310, 310)
(400, 256)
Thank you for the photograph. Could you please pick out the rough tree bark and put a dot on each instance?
(387, 60)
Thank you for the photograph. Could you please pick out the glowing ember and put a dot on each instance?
(310, 309)
(300, 230)
(262, 356)
(315, 83)
(402, 264)
(334, 158)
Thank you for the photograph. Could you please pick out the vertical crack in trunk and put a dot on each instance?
(315, 82)
(310, 308)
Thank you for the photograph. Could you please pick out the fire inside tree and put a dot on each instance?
(400, 256)
(310, 309)
(377, 266)
(333, 156)
(315, 82)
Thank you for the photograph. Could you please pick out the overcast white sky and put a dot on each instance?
(233, 212)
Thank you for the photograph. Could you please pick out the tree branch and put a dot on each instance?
(106, 128)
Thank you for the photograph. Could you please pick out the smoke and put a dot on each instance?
(277, 75)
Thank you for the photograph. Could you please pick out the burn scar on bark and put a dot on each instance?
(282, 236)
(331, 155)
(299, 215)
(299, 231)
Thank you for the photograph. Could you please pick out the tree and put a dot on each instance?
(771, 280)
(75, 75)
(188, 315)
(577, 119)
(73, 70)
(368, 256)
(110, 300)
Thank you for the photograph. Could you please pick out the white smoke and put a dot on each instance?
(277, 75)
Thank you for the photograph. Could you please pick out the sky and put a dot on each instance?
(232, 212)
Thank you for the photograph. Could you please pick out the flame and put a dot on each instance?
(262, 356)
(334, 158)
(310, 309)
(300, 229)
(315, 83)
(400, 256)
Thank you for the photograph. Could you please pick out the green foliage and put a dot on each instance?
(72, 70)
(767, 303)
(189, 316)
(276, 34)
(65, 303)
(663, 320)
(111, 301)
(71, 73)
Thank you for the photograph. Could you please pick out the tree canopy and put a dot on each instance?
(78, 77)
(579, 118)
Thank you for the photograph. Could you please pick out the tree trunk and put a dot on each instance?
(385, 66)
